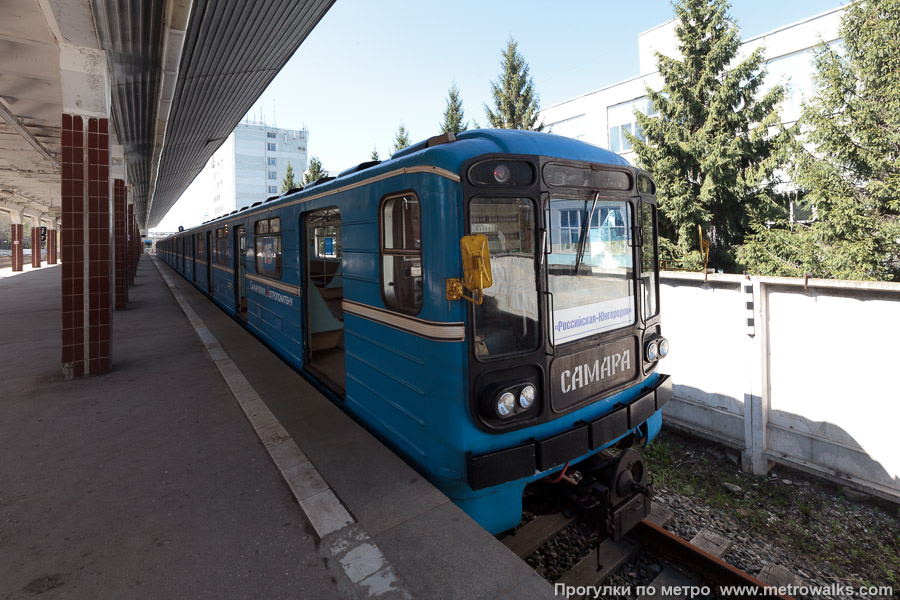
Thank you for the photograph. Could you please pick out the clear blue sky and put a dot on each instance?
(370, 65)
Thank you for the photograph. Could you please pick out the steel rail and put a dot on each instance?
(704, 564)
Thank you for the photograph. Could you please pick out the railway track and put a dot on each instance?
(694, 565)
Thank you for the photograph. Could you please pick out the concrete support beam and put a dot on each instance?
(86, 214)
(7, 115)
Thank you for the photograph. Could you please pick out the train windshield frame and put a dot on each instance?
(590, 264)
(584, 265)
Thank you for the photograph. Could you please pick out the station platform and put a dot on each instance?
(203, 466)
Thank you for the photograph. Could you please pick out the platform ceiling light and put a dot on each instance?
(527, 396)
(506, 404)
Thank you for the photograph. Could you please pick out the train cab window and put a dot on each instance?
(649, 261)
(268, 247)
(221, 247)
(401, 253)
(590, 266)
(506, 322)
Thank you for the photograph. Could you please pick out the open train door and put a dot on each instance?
(324, 292)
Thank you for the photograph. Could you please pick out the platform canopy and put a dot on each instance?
(181, 74)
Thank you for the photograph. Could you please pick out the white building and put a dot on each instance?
(600, 117)
(250, 166)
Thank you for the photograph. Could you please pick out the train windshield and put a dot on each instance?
(590, 266)
(506, 321)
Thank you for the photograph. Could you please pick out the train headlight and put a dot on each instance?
(527, 395)
(663, 347)
(506, 404)
(652, 351)
(501, 173)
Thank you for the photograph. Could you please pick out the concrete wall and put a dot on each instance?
(811, 385)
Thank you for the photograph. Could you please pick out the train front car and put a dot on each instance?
(563, 336)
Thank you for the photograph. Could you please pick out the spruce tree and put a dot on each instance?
(315, 171)
(453, 113)
(715, 145)
(516, 103)
(288, 183)
(401, 139)
(374, 155)
(847, 164)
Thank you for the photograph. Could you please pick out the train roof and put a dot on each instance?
(448, 154)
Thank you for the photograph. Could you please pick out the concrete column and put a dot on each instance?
(17, 242)
(35, 243)
(756, 403)
(86, 212)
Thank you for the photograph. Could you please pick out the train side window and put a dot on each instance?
(401, 253)
(221, 247)
(201, 247)
(268, 247)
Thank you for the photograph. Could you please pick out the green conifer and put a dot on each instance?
(847, 160)
(516, 103)
(401, 139)
(315, 171)
(715, 146)
(288, 183)
(453, 113)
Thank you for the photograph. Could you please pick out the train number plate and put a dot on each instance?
(578, 377)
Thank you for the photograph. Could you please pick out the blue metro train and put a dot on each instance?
(486, 304)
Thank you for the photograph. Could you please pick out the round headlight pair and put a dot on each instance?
(506, 403)
(656, 349)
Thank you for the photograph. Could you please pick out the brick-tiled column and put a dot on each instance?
(121, 244)
(86, 276)
(138, 248)
(35, 244)
(51, 246)
(17, 243)
(132, 258)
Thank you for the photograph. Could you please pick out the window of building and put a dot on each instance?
(271, 147)
(273, 175)
(272, 160)
(573, 127)
(268, 247)
(270, 134)
(401, 253)
(620, 119)
(221, 247)
(273, 189)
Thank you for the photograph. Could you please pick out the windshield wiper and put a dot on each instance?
(585, 229)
